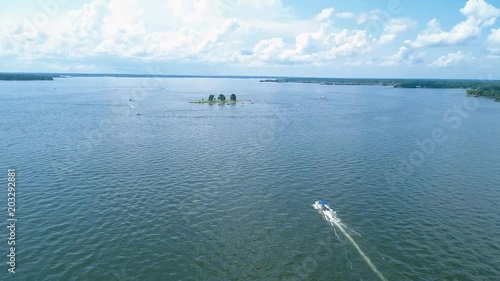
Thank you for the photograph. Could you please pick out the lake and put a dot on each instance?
(124, 179)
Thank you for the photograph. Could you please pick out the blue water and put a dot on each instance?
(123, 179)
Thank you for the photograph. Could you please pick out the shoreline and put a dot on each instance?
(397, 83)
(25, 77)
(474, 88)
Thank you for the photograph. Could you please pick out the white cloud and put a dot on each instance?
(269, 50)
(200, 13)
(479, 14)
(349, 43)
(394, 28)
(244, 32)
(325, 14)
(312, 42)
(345, 15)
(323, 46)
(450, 59)
(377, 15)
(493, 42)
(196, 31)
(405, 55)
(461, 33)
(319, 47)
(124, 28)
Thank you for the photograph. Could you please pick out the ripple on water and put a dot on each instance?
(193, 192)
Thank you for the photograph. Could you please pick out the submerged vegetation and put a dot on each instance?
(475, 88)
(24, 77)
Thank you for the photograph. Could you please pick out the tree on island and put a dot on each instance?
(221, 99)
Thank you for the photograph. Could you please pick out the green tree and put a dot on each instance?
(232, 97)
(221, 97)
(211, 98)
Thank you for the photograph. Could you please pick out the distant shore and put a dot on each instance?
(474, 88)
(25, 77)
(397, 83)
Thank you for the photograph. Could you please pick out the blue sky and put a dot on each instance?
(336, 38)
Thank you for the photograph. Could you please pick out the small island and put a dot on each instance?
(24, 77)
(221, 99)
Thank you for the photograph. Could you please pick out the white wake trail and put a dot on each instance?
(331, 217)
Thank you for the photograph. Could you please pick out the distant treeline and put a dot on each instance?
(446, 84)
(332, 81)
(492, 92)
(475, 88)
(398, 83)
(24, 77)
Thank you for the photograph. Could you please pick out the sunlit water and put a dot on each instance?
(123, 179)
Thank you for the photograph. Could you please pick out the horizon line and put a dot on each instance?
(132, 75)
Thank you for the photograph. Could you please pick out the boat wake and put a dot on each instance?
(331, 217)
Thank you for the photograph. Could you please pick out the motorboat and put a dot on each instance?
(322, 206)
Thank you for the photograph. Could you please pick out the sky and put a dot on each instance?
(335, 38)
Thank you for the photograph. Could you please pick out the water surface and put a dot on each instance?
(123, 179)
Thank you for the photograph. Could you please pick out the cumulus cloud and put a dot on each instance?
(269, 50)
(245, 32)
(316, 47)
(479, 15)
(450, 59)
(493, 42)
(344, 15)
(199, 31)
(481, 12)
(122, 28)
(325, 14)
(461, 33)
(349, 43)
(405, 55)
(394, 28)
